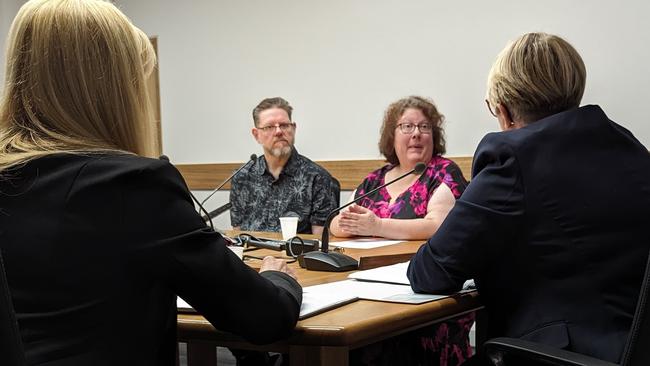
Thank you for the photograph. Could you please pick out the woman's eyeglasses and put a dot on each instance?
(408, 128)
(284, 127)
(489, 107)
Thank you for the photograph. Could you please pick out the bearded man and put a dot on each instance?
(281, 182)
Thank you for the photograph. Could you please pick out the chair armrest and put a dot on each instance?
(504, 348)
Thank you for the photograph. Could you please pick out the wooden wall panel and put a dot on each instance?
(348, 172)
(153, 84)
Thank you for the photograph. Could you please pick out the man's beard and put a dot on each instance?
(281, 152)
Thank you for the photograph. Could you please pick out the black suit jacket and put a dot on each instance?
(96, 248)
(554, 229)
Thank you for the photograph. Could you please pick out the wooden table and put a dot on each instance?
(327, 338)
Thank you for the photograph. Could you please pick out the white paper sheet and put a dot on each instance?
(395, 273)
(182, 305)
(321, 298)
(368, 291)
(367, 243)
(317, 299)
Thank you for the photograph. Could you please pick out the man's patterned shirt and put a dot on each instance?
(303, 189)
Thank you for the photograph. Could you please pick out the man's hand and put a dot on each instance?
(273, 264)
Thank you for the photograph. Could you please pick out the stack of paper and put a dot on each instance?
(387, 283)
(182, 305)
(395, 273)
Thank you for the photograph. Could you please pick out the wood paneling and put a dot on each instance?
(153, 84)
(349, 172)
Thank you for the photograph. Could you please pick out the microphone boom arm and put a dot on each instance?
(252, 158)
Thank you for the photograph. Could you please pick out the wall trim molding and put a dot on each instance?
(349, 172)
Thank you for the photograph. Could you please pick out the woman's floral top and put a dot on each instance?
(413, 202)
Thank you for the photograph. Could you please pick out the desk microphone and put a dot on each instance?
(339, 262)
(253, 158)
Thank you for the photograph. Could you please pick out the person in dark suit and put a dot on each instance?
(553, 225)
(97, 239)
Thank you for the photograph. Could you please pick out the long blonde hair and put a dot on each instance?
(75, 82)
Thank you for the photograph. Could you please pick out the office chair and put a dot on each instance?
(511, 351)
(11, 347)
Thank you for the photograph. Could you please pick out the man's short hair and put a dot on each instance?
(268, 103)
(537, 75)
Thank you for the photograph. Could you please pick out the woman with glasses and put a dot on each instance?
(411, 208)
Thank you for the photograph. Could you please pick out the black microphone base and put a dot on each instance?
(327, 262)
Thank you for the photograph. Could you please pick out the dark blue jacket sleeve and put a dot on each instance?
(483, 220)
(171, 246)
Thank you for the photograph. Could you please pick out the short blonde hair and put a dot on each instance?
(75, 82)
(537, 75)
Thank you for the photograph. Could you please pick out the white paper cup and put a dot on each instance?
(237, 250)
(289, 226)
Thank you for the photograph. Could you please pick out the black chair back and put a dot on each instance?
(11, 346)
(512, 351)
(636, 353)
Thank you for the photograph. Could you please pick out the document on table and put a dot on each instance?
(184, 306)
(367, 243)
(388, 283)
(320, 298)
(395, 273)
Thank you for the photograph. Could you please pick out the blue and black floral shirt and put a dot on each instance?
(303, 189)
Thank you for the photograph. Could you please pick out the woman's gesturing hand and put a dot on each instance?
(358, 220)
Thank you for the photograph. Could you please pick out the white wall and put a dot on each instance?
(8, 9)
(340, 63)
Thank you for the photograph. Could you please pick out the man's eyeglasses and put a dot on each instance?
(284, 127)
(487, 102)
(408, 128)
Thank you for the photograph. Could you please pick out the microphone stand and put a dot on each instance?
(216, 212)
(341, 262)
(253, 158)
(200, 204)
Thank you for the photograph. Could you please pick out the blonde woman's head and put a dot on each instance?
(535, 76)
(75, 81)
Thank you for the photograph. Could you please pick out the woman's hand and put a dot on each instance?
(358, 220)
(274, 264)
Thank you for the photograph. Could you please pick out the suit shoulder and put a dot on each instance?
(129, 168)
(127, 162)
(516, 137)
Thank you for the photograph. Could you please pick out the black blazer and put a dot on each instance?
(554, 229)
(96, 247)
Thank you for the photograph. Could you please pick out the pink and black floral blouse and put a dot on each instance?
(413, 202)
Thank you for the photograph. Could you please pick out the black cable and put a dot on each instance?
(201, 208)
(245, 239)
(290, 247)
